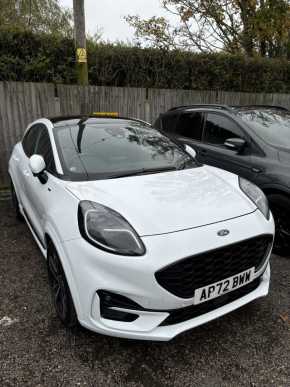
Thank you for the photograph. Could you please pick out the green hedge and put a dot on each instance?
(44, 58)
(25, 56)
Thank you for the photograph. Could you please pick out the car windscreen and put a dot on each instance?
(116, 148)
(272, 125)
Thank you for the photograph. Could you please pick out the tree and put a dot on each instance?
(273, 28)
(234, 26)
(36, 15)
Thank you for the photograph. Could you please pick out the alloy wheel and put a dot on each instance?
(58, 285)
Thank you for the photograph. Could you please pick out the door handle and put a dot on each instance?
(256, 170)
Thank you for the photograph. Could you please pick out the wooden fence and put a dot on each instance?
(21, 103)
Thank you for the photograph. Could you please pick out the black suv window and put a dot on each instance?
(219, 128)
(43, 148)
(190, 125)
(30, 139)
(169, 122)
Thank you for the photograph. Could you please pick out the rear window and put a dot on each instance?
(190, 125)
(169, 122)
(100, 150)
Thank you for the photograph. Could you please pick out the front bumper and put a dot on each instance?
(133, 277)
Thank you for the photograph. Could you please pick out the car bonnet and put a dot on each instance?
(169, 201)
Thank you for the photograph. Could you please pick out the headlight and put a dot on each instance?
(108, 230)
(256, 195)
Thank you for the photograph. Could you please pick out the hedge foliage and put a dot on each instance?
(45, 58)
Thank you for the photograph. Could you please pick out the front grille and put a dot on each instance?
(183, 277)
(180, 315)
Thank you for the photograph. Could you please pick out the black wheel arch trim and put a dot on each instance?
(280, 189)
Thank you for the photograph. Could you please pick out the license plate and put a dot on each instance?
(224, 286)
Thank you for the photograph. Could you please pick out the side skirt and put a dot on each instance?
(34, 233)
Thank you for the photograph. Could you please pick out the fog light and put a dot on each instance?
(110, 300)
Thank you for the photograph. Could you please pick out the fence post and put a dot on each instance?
(147, 107)
(57, 106)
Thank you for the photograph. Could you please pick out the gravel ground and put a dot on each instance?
(249, 347)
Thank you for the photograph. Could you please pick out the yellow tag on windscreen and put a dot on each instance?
(81, 55)
(106, 114)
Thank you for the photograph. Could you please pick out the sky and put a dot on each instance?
(108, 15)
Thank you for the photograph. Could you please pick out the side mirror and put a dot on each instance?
(190, 150)
(36, 165)
(235, 144)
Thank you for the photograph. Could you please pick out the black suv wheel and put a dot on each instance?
(280, 207)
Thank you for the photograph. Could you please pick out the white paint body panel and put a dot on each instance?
(177, 214)
(172, 201)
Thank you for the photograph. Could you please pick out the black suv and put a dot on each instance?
(251, 141)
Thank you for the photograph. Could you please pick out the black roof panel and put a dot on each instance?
(90, 119)
(228, 108)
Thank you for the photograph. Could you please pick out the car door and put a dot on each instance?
(37, 193)
(206, 132)
(217, 129)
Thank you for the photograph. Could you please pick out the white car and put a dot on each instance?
(141, 240)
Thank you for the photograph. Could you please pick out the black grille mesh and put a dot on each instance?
(183, 277)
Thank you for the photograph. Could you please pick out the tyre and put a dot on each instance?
(280, 207)
(15, 202)
(60, 291)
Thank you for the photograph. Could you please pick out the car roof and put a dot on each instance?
(198, 106)
(227, 108)
(90, 119)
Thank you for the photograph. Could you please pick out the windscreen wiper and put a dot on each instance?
(142, 171)
(186, 163)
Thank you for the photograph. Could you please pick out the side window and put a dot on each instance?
(29, 140)
(169, 122)
(43, 148)
(219, 128)
(190, 125)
